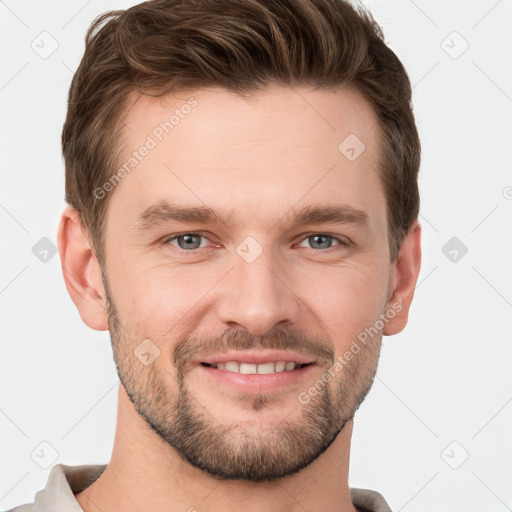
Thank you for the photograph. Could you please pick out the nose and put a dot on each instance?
(259, 295)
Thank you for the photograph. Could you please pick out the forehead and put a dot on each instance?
(220, 116)
(278, 147)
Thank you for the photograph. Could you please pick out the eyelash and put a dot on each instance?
(168, 240)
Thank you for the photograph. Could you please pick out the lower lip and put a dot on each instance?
(258, 383)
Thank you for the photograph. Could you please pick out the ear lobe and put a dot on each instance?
(81, 271)
(405, 276)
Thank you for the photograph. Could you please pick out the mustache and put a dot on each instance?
(197, 346)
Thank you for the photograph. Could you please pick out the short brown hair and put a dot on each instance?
(243, 46)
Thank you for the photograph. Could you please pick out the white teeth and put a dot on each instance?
(252, 369)
(248, 368)
(280, 366)
(232, 366)
(267, 368)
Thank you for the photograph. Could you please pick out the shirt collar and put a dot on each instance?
(63, 483)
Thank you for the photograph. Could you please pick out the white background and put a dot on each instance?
(446, 378)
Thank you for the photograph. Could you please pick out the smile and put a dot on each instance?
(257, 369)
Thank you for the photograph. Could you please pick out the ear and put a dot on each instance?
(81, 270)
(405, 273)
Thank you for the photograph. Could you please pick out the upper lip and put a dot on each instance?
(257, 357)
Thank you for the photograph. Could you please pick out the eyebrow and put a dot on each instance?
(163, 212)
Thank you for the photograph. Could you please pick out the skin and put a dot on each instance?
(263, 158)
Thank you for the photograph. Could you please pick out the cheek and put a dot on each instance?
(157, 297)
(347, 299)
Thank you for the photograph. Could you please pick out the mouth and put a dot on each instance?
(268, 368)
(258, 376)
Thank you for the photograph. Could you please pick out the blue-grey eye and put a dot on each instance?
(321, 241)
(189, 241)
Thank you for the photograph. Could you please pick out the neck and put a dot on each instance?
(145, 472)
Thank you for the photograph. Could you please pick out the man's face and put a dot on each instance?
(255, 280)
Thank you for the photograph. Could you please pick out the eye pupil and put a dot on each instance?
(325, 238)
(189, 239)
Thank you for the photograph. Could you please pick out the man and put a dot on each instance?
(242, 182)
